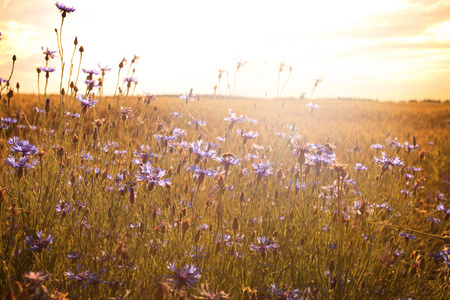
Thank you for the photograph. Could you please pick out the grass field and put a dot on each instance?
(227, 216)
(157, 197)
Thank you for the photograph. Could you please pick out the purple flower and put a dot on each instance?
(47, 70)
(228, 160)
(312, 106)
(360, 167)
(130, 80)
(176, 114)
(91, 71)
(84, 277)
(407, 236)
(145, 154)
(197, 123)
(187, 277)
(21, 163)
(233, 119)
(38, 244)
(85, 103)
(188, 97)
(377, 147)
(104, 69)
(240, 62)
(64, 9)
(48, 53)
(264, 247)
(153, 176)
(0, 35)
(126, 112)
(23, 146)
(6, 122)
(262, 169)
(442, 208)
(387, 162)
(284, 294)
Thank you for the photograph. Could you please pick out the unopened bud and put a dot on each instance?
(81, 49)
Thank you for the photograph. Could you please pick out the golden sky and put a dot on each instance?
(387, 50)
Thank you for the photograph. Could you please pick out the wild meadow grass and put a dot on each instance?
(146, 197)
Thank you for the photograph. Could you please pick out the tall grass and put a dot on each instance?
(122, 198)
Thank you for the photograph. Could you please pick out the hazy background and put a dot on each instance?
(386, 50)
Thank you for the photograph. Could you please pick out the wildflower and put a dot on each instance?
(0, 36)
(85, 103)
(205, 293)
(312, 106)
(176, 114)
(284, 293)
(145, 154)
(22, 163)
(84, 277)
(48, 53)
(262, 169)
(407, 236)
(197, 123)
(188, 97)
(23, 146)
(233, 119)
(153, 176)
(264, 247)
(126, 112)
(360, 167)
(47, 70)
(186, 277)
(91, 72)
(249, 135)
(64, 9)
(73, 255)
(377, 147)
(130, 80)
(446, 211)
(387, 162)
(6, 122)
(104, 69)
(228, 160)
(38, 244)
(35, 280)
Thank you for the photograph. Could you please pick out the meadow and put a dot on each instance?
(189, 197)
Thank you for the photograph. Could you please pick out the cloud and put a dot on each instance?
(412, 20)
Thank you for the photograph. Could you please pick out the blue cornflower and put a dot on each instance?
(434, 220)
(284, 294)
(227, 160)
(47, 70)
(387, 162)
(91, 72)
(84, 277)
(85, 103)
(312, 106)
(201, 154)
(197, 123)
(104, 69)
(0, 36)
(188, 97)
(6, 122)
(38, 244)
(64, 9)
(264, 247)
(233, 119)
(262, 169)
(187, 277)
(360, 167)
(126, 112)
(73, 255)
(407, 236)
(377, 147)
(22, 163)
(247, 135)
(64, 207)
(153, 176)
(130, 80)
(48, 53)
(23, 146)
(176, 114)
(145, 154)
(200, 173)
(446, 211)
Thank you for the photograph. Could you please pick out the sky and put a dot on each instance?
(385, 49)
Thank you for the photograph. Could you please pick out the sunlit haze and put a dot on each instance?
(386, 50)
